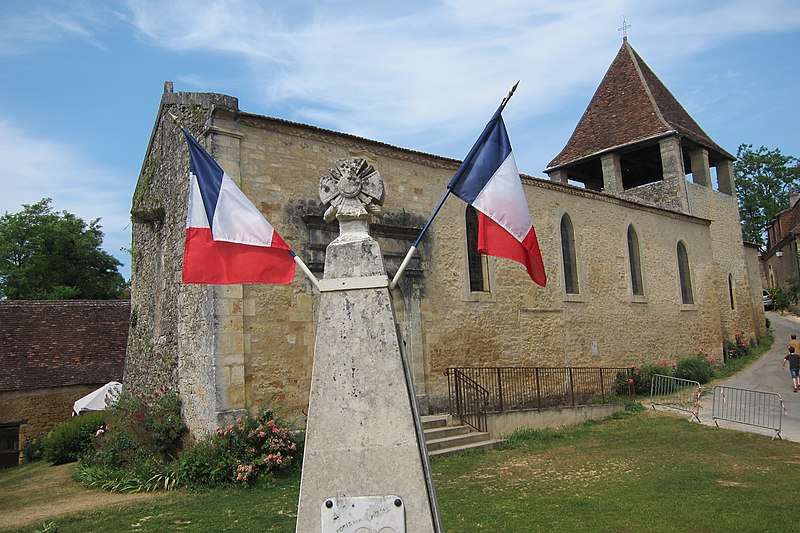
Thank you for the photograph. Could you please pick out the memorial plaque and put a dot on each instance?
(363, 514)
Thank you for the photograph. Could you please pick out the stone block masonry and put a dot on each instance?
(230, 349)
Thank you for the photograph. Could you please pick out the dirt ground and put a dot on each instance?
(35, 494)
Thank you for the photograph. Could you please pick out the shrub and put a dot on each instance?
(642, 378)
(69, 440)
(695, 369)
(33, 449)
(141, 429)
(138, 446)
(240, 452)
(740, 347)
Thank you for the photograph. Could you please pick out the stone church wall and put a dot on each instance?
(524, 324)
(732, 273)
(231, 348)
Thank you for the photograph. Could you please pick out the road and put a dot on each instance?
(766, 375)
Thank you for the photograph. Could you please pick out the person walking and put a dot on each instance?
(794, 343)
(794, 366)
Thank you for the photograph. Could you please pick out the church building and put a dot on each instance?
(638, 227)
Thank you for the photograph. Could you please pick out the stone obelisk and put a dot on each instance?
(364, 467)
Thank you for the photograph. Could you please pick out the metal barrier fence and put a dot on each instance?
(676, 393)
(520, 388)
(750, 407)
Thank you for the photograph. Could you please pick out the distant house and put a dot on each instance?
(781, 259)
(51, 354)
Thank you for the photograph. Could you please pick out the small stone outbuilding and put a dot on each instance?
(51, 354)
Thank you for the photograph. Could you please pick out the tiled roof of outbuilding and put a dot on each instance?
(630, 105)
(65, 342)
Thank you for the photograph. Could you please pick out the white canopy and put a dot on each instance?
(99, 399)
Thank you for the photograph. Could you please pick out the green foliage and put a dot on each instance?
(529, 435)
(141, 449)
(141, 430)
(46, 255)
(784, 298)
(69, 440)
(136, 450)
(240, 452)
(694, 368)
(47, 527)
(143, 476)
(764, 179)
(701, 367)
(740, 347)
(33, 449)
(631, 408)
(642, 377)
(646, 472)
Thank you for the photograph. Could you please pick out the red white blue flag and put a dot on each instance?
(228, 240)
(488, 180)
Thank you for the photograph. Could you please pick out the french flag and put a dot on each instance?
(488, 180)
(228, 240)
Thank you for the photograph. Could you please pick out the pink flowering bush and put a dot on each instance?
(241, 452)
(740, 347)
(638, 378)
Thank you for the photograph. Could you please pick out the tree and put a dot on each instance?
(764, 179)
(46, 255)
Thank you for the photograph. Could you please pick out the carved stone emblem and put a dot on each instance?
(351, 190)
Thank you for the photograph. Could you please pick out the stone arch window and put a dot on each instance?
(476, 262)
(634, 260)
(730, 291)
(568, 256)
(685, 275)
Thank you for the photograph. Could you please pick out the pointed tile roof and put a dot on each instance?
(631, 105)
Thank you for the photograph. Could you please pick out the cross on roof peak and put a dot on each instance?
(624, 29)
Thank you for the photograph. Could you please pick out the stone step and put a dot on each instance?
(446, 431)
(434, 421)
(444, 438)
(484, 445)
(457, 440)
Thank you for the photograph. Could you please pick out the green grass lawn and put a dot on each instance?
(637, 472)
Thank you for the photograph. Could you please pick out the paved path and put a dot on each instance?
(765, 375)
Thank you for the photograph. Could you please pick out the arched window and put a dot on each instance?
(636, 266)
(568, 256)
(730, 290)
(685, 274)
(478, 281)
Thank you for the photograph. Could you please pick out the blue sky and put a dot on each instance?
(82, 80)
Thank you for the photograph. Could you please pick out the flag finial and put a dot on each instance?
(176, 120)
(509, 95)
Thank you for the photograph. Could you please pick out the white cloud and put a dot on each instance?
(33, 168)
(396, 70)
(27, 27)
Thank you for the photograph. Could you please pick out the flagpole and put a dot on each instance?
(311, 277)
(409, 255)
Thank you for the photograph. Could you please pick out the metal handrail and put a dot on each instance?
(468, 399)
